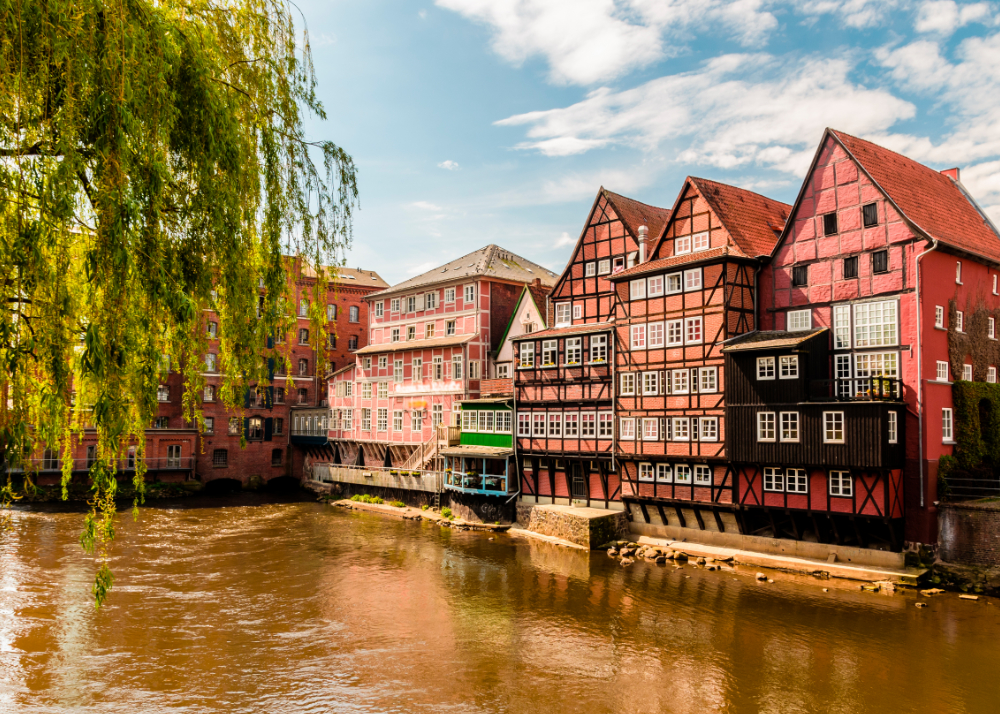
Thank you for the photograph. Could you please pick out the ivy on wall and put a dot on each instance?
(974, 339)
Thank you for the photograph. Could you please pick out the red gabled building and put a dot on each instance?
(873, 288)
(563, 381)
(674, 312)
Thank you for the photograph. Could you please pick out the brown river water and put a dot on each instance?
(250, 604)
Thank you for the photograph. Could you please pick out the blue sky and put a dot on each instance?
(496, 121)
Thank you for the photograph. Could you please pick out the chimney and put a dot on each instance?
(643, 236)
(951, 173)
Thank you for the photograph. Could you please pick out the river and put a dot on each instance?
(255, 604)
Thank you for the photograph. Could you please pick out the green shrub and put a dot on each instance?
(446, 512)
(376, 499)
(397, 504)
(365, 498)
(424, 507)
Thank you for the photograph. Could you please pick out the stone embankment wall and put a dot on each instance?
(970, 533)
(578, 526)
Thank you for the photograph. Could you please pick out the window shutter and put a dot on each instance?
(270, 368)
(694, 428)
(268, 428)
(270, 342)
(246, 427)
(694, 380)
(663, 428)
(246, 398)
(670, 430)
(664, 382)
(270, 397)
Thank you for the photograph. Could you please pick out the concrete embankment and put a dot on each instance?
(416, 514)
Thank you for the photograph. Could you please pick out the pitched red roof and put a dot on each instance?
(582, 329)
(653, 266)
(931, 201)
(754, 221)
(635, 214)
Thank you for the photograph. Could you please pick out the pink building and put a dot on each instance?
(430, 340)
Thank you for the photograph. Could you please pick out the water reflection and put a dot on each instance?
(297, 607)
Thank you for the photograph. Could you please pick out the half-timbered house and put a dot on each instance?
(563, 381)
(673, 313)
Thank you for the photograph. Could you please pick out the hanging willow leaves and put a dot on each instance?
(153, 163)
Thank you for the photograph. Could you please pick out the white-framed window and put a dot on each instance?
(503, 422)
(991, 328)
(692, 279)
(486, 421)
(637, 289)
(538, 425)
(709, 379)
(702, 475)
(663, 473)
(523, 424)
(397, 370)
(681, 428)
(692, 330)
(645, 471)
(650, 383)
(416, 420)
(605, 425)
(796, 481)
(765, 426)
(210, 362)
(503, 371)
(893, 423)
(833, 427)
(574, 350)
(765, 368)
(626, 429)
(397, 420)
(549, 352)
(650, 429)
(774, 479)
(627, 384)
(598, 348)
(967, 372)
(604, 266)
(394, 334)
(790, 426)
(942, 371)
(995, 285)
(383, 390)
(991, 375)
(456, 366)
(679, 381)
(382, 422)
(699, 241)
(577, 311)
(563, 314)
(366, 420)
(303, 308)
(638, 337)
(682, 245)
(380, 308)
(163, 393)
(958, 272)
(417, 368)
(366, 390)
(709, 428)
(875, 324)
(571, 425)
(588, 425)
(960, 321)
(437, 368)
(394, 305)
(675, 283)
(449, 295)
(947, 426)
(655, 286)
(841, 483)
(469, 293)
(654, 332)
(590, 269)
(841, 327)
(799, 320)
(411, 303)
(939, 316)
(527, 354)
(788, 367)
(682, 473)
(431, 300)
(469, 420)
(675, 332)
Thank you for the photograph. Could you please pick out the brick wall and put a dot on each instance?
(970, 533)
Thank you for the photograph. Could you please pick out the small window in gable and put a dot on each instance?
(682, 245)
(699, 241)
(800, 275)
(637, 289)
(880, 261)
(850, 267)
(869, 214)
(590, 270)
(830, 224)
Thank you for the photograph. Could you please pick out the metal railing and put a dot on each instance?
(862, 389)
(164, 463)
(960, 489)
(475, 482)
(380, 477)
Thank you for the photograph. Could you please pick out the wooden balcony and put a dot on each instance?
(449, 435)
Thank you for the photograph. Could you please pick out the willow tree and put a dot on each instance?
(153, 162)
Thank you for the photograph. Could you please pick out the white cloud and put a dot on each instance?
(857, 14)
(735, 110)
(590, 41)
(422, 14)
(564, 240)
(449, 165)
(946, 16)
(426, 206)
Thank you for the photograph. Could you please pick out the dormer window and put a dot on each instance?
(699, 241)
(563, 314)
(619, 265)
(682, 245)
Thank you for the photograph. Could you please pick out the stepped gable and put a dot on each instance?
(754, 222)
(930, 201)
(489, 261)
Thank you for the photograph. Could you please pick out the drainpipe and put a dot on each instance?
(920, 381)
(614, 399)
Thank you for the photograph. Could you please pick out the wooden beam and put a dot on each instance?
(645, 513)
(718, 520)
(663, 515)
(697, 515)
(680, 516)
